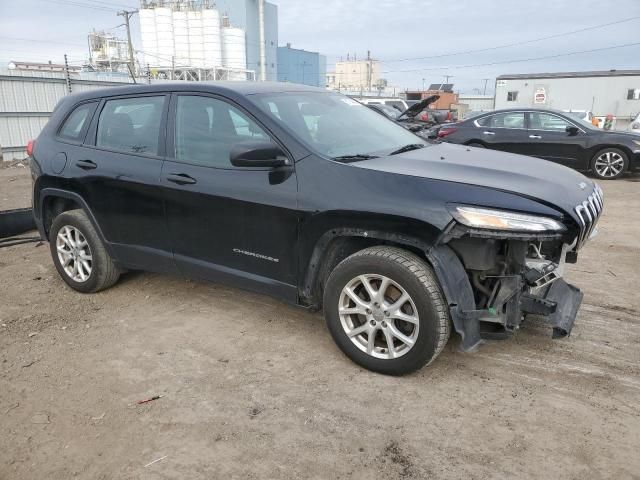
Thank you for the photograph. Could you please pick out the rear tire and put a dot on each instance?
(609, 164)
(79, 254)
(377, 330)
(475, 144)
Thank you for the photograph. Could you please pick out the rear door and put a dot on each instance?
(550, 140)
(117, 172)
(504, 131)
(237, 225)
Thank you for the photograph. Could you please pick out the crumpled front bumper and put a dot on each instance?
(568, 299)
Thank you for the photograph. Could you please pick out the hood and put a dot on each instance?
(540, 180)
(413, 110)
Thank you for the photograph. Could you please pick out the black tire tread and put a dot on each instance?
(425, 275)
(107, 272)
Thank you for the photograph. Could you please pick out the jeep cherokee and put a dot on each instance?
(313, 198)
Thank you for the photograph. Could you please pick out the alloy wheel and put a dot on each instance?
(379, 316)
(609, 164)
(74, 253)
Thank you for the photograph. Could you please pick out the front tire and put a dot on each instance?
(384, 308)
(609, 164)
(79, 254)
(476, 145)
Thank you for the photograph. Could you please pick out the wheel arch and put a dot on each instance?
(339, 243)
(54, 201)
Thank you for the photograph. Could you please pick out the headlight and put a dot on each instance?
(476, 217)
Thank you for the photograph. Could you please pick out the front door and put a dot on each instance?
(230, 224)
(550, 140)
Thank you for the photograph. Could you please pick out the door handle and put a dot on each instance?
(86, 164)
(181, 179)
(535, 136)
(488, 133)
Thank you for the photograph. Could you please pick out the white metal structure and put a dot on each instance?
(165, 37)
(211, 37)
(234, 56)
(189, 37)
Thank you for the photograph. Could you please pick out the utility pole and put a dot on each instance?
(127, 14)
(485, 85)
(369, 68)
(66, 73)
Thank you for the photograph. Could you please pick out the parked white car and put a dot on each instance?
(585, 115)
(397, 103)
(634, 126)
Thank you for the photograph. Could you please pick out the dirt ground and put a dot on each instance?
(256, 389)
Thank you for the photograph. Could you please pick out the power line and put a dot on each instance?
(546, 57)
(77, 3)
(515, 44)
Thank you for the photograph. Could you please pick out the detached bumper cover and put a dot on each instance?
(567, 299)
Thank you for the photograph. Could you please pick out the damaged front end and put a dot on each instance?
(511, 274)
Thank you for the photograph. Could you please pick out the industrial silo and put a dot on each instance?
(196, 49)
(181, 39)
(234, 54)
(149, 38)
(211, 37)
(164, 33)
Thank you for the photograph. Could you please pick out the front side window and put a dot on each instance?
(512, 96)
(73, 126)
(131, 125)
(503, 120)
(547, 121)
(207, 129)
(334, 125)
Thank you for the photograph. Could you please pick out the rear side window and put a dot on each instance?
(74, 125)
(131, 125)
(503, 120)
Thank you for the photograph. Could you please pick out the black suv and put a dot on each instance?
(311, 197)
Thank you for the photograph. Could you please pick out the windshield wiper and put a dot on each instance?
(354, 157)
(408, 148)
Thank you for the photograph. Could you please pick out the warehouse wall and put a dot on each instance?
(27, 100)
(602, 95)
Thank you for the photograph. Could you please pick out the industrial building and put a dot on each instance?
(301, 66)
(612, 92)
(203, 40)
(355, 75)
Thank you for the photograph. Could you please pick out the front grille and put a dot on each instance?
(588, 214)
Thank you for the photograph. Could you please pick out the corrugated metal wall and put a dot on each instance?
(28, 98)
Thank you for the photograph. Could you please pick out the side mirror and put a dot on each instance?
(571, 130)
(257, 154)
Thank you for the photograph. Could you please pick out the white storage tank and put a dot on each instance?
(211, 37)
(164, 33)
(234, 54)
(181, 38)
(149, 38)
(196, 48)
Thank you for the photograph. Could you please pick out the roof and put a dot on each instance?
(595, 73)
(230, 87)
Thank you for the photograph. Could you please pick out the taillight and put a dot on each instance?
(444, 131)
(30, 146)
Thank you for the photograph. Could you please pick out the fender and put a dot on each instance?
(448, 268)
(59, 193)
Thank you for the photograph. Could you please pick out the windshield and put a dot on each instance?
(334, 125)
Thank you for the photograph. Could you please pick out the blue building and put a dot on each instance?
(244, 14)
(301, 66)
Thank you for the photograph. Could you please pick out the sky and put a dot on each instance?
(413, 39)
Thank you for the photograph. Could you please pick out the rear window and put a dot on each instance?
(131, 125)
(74, 125)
